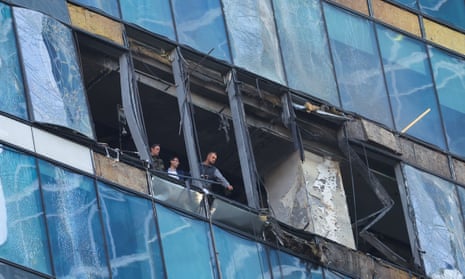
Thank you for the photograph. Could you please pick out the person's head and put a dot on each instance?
(211, 158)
(155, 149)
(174, 162)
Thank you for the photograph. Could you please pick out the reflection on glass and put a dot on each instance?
(410, 85)
(305, 48)
(130, 234)
(200, 25)
(449, 74)
(290, 267)
(73, 222)
(239, 257)
(108, 6)
(187, 245)
(252, 33)
(358, 69)
(153, 15)
(12, 91)
(11, 272)
(22, 231)
(449, 11)
(409, 3)
(438, 222)
(52, 71)
(331, 274)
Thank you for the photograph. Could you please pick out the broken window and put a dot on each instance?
(439, 223)
(52, 72)
(13, 99)
(376, 207)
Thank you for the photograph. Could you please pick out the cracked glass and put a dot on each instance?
(12, 90)
(52, 72)
(439, 223)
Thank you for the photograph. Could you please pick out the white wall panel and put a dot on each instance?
(16, 133)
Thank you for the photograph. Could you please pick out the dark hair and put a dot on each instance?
(172, 157)
(154, 145)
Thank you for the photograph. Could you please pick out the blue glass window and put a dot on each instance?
(22, 228)
(108, 6)
(200, 24)
(449, 11)
(253, 38)
(410, 86)
(131, 234)
(305, 48)
(74, 223)
(449, 74)
(12, 90)
(357, 64)
(439, 223)
(8, 271)
(409, 3)
(153, 15)
(289, 267)
(52, 72)
(239, 257)
(179, 232)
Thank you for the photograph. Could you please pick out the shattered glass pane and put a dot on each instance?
(22, 229)
(240, 257)
(449, 74)
(52, 72)
(439, 223)
(131, 234)
(177, 233)
(358, 67)
(12, 89)
(74, 223)
(287, 266)
(108, 6)
(153, 15)
(253, 37)
(410, 85)
(450, 11)
(200, 24)
(305, 48)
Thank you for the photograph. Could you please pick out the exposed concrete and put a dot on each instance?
(459, 169)
(419, 155)
(381, 136)
(287, 193)
(327, 199)
(120, 173)
(355, 130)
(309, 196)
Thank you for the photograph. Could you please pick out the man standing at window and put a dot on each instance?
(210, 172)
(157, 162)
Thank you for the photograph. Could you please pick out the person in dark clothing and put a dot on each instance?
(210, 172)
(157, 162)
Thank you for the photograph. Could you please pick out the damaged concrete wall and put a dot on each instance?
(326, 196)
(310, 196)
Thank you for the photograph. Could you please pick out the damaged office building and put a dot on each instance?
(339, 124)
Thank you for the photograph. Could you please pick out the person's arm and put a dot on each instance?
(222, 180)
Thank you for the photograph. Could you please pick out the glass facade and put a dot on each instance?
(12, 91)
(439, 223)
(68, 225)
(410, 85)
(200, 24)
(358, 69)
(52, 72)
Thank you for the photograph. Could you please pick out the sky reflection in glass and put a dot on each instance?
(22, 229)
(108, 6)
(73, 222)
(410, 85)
(439, 223)
(358, 69)
(12, 89)
(449, 75)
(305, 48)
(200, 24)
(130, 234)
(52, 72)
(449, 11)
